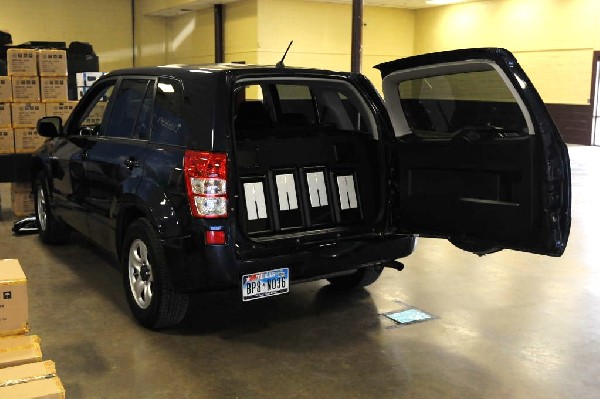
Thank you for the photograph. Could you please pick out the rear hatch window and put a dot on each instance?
(445, 105)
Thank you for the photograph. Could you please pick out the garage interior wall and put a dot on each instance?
(105, 24)
(554, 40)
(258, 32)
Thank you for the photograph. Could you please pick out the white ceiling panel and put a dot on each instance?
(190, 6)
(412, 4)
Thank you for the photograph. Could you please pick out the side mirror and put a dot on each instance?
(50, 126)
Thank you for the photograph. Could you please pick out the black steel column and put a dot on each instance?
(219, 51)
(356, 52)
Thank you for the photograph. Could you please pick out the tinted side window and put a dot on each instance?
(167, 122)
(93, 120)
(126, 108)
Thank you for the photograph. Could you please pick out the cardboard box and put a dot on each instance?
(27, 140)
(63, 109)
(22, 62)
(14, 311)
(27, 114)
(7, 140)
(5, 115)
(54, 88)
(19, 349)
(20, 187)
(96, 115)
(22, 204)
(26, 89)
(86, 79)
(52, 62)
(31, 381)
(5, 89)
(22, 198)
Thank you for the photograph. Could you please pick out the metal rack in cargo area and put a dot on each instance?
(80, 58)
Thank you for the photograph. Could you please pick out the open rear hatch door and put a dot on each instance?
(479, 159)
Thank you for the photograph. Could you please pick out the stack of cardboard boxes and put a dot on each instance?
(23, 374)
(39, 86)
(22, 201)
(36, 86)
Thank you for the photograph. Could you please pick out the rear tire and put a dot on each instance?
(359, 279)
(51, 230)
(150, 294)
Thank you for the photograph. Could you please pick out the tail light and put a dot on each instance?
(206, 180)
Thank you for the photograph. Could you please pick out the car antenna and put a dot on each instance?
(280, 63)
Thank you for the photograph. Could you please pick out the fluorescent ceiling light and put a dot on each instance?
(442, 2)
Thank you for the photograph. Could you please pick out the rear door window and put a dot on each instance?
(449, 104)
(128, 107)
(168, 126)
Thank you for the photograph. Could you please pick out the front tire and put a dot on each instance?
(359, 279)
(51, 230)
(151, 297)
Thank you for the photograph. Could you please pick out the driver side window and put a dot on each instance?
(93, 121)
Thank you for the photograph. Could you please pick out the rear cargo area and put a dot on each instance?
(307, 155)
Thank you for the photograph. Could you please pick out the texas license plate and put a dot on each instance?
(264, 284)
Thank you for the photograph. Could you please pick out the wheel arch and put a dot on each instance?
(127, 215)
(37, 167)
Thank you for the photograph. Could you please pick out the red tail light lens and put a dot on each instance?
(206, 181)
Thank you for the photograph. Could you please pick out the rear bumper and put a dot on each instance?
(216, 267)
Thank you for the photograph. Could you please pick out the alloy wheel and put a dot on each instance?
(41, 208)
(141, 279)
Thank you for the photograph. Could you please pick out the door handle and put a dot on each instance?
(85, 155)
(131, 163)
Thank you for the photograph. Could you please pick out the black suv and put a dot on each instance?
(211, 177)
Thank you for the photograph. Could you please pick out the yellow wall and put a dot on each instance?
(105, 24)
(150, 35)
(241, 31)
(553, 40)
(258, 32)
(322, 34)
(388, 34)
(189, 38)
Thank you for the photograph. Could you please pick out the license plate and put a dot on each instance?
(264, 284)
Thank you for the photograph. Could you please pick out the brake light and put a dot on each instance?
(206, 181)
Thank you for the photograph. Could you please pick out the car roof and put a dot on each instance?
(187, 71)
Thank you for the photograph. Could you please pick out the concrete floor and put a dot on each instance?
(510, 325)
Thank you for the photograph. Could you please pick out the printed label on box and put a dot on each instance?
(21, 62)
(54, 89)
(5, 115)
(27, 114)
(5, 89)
(7, 141)
(26, 89)
(27, 140)
(52, 62)
(63, 109)
(14, 313)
